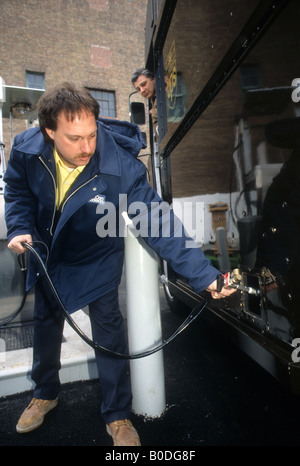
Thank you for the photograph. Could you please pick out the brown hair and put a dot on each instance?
(64, 98)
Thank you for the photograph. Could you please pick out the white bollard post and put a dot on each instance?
(3, 230)
(144, 327)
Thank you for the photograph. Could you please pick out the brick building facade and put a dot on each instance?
(94, 43)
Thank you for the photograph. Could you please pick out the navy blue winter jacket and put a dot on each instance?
(82, 264)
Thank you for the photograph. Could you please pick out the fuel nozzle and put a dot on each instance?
(234, 280)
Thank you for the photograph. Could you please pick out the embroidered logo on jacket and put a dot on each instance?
(98, 199)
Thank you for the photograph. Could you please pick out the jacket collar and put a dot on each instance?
(113, 135)
(105, 159)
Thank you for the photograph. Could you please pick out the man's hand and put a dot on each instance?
(16, 243)
(225, 291)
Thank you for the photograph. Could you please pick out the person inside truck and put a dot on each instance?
(143, 81)
(56, 177)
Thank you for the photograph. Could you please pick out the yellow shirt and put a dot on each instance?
(65, 176)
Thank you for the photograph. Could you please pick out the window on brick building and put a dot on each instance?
(107, 102)
(35, 80)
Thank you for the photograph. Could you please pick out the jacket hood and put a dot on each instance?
(127, 135)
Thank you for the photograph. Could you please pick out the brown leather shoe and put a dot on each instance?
(123, 433)
(34, 414)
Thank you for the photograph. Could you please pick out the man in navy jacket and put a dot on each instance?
(57, 177)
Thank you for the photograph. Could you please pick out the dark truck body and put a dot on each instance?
(226, 94)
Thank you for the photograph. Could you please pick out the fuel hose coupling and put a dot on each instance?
(234, 280)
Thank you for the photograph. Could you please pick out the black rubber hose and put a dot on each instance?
(192, 316)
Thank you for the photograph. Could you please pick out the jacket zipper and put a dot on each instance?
(64, 203)
(54, 184)
(77, 189)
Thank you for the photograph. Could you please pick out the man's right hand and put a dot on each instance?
(15, 243)
(224, 293)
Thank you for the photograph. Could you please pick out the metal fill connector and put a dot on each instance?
(234, 279)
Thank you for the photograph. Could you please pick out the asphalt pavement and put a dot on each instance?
(216, 396)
